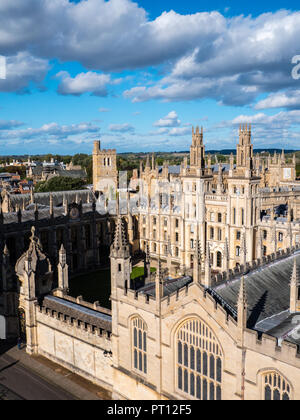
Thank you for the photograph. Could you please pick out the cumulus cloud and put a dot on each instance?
(207, 55)
(170, 120)
(288, 99)
(92, 82)
(121, 128)
(22, 69)
(280, 129)
(8, 125)
(51, 131)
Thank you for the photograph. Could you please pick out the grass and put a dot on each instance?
(139, 272)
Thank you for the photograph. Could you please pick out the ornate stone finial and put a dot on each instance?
(120, 245)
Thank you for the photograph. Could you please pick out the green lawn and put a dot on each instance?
(139, 272)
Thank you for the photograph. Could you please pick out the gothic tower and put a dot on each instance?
(245, 148)
(105, 175)
(197, 151)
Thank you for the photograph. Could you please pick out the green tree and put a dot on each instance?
(60, 183)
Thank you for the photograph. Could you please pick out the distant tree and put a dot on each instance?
(60, 183)
(20, 170)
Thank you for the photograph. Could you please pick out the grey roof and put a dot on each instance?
(268, 290)
(44, 198)
(98, 319)
(170, 286)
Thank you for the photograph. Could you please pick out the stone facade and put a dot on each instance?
(218, 320)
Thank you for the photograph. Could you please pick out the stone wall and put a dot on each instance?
(81, 347)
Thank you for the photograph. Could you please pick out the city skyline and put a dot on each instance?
(138, 76)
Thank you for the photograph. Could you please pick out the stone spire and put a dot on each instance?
(220, 180)
(294, 289)
(63, 273)
(120, 245)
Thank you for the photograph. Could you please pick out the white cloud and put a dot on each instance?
(121, 128)
(288, 99)
(21, 69)
(92, 82)
(51, 131)
(170, 120)
(229, 59)
(8, 125)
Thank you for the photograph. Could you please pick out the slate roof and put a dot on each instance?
(79, 312)
(268, 290)
(170, 286)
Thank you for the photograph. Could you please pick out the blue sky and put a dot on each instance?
(138, 75)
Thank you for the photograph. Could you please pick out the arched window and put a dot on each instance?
(219, 259)
(198, 361)
(275, 387)
(238, 251)
(139, 344)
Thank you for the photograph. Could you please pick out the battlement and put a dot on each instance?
(79, 315)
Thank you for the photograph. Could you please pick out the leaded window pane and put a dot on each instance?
(219, 370)
(192, 384)
(219, 395)
(204, 389)
(268, 393)
(192, 361)
(179, 378)
(179, 352)
(211, 391)
(205, 363)
(276, 396)
(186, 381)
(186, 356)
(212, 367)
(202, 373)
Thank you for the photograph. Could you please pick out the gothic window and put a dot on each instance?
(220, 234)
(139, 344)
(234, 216)
(280, 236)
(242, 216)
(176, 223)
(199, 361)
(212, 233)
(176, 237)
(219, 259)
(265, 234)
(275, 387)
(238, 235)
(176, 252)
(238, 251)
(192, 243)
(220, 217)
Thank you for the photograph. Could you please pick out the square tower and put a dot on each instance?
(105, 174)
